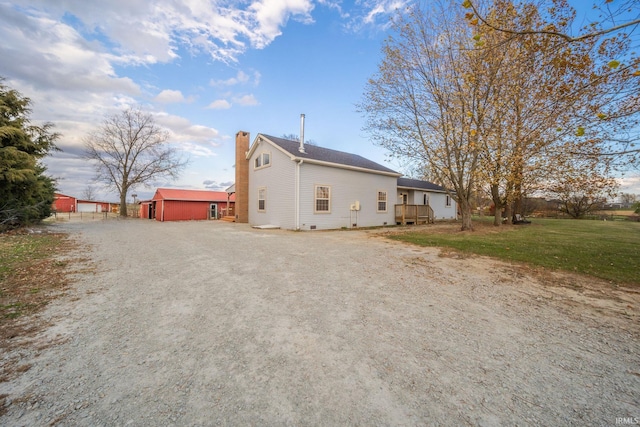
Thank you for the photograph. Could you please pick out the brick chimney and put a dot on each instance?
(242, 177)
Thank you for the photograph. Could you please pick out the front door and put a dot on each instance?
(213, 211)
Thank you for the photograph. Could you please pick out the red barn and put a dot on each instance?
(64, 203)
(169, 204)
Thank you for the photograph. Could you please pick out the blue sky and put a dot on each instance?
(204, 68)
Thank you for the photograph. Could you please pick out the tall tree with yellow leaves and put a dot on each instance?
(422, 105)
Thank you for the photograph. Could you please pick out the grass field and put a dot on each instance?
(609, 250)
(28, 272)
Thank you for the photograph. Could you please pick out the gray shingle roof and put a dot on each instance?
(415, 183)
(314, 152)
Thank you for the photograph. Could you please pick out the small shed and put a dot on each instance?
(64, 203)
(170, 204)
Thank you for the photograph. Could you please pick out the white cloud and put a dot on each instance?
(369, 13)
(335, 5)
(196, 150)
(246, 100)
(256, 78)
(211, 184)
(219, 104)
(169, 96)
(51, 54)
(142, 32)
(241, 77)
(195, 139)
(271, 15)
(630, 184)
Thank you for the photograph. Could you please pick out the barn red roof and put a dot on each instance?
(192, 195)
(62, 196)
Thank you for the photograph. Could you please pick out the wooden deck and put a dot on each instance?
(414, 214)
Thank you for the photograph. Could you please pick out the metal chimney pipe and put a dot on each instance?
(301, 148)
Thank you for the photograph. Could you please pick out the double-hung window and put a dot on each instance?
(262, 199)
(448, 201)
(382, 201)
(322, 199)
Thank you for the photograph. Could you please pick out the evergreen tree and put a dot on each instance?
(26, 193)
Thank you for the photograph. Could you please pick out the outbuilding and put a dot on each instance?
(64, 203)
(171, 204)
(95, 206)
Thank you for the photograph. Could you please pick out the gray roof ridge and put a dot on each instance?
(417, 183)
(329, 155)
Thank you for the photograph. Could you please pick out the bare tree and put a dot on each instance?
(628, 198)
(89, 193)
(422, 105)
(581, 193)
(130, 149)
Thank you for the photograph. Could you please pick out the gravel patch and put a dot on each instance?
(210, 323)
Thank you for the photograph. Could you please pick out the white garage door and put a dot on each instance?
(89, 207)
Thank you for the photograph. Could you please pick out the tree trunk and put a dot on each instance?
(508, 213)
(465, 212)
(517, 204)
(123, 204)
(497, 202)
(508, 203)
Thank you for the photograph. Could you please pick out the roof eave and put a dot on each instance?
(433, 190)
(261, 137)
(171, 199)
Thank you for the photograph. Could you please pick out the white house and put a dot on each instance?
(306, 187)
(416, 192)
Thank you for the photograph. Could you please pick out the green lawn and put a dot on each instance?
(606, 249)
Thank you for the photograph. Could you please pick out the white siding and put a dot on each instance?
(440, 209)
(436, 200)
(279, 180)
(346, 187)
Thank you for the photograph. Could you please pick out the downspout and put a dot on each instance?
(297, 194)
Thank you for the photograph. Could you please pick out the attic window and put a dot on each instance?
(262, 160)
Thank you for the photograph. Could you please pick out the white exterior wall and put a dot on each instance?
(436, 200)
(440, 209)
(347, 186)
(279, 180)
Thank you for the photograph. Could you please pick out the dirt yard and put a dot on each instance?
(210, 323)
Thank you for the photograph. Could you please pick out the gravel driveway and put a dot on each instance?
(210, 323)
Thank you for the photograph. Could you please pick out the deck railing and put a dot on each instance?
(414, 214)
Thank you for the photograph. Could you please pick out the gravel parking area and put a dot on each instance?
(210, 323)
